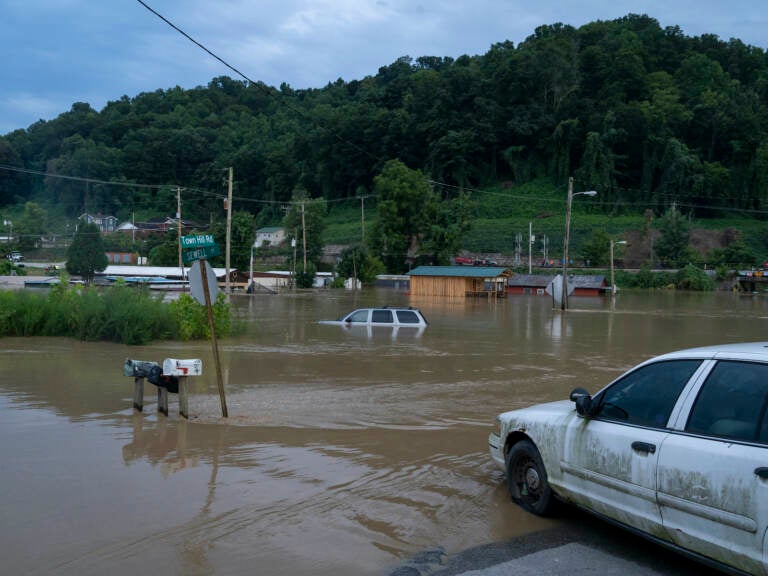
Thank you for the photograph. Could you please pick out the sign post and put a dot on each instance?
(199, 248)
(214, 343)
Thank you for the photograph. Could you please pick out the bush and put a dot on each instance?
(191, 318)
(117, 314)
(693, 278)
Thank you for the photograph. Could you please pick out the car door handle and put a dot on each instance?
(762, 472)
(646, 447)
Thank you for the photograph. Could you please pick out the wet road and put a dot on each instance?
(346, 452)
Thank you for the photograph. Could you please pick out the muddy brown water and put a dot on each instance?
(346, 451)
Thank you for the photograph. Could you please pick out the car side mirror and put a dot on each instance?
(583, 401)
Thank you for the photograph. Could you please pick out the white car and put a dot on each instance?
(385, 316)
(676, 449)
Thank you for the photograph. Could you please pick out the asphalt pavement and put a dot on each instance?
(581, 545)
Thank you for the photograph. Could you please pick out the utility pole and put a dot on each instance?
(229, 231)
(178, 219)
(304, 236)
(362, 208)
(530, 242)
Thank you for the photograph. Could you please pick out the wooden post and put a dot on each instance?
(162, 400)
(183, 397)
(138, 394)
(214, 343)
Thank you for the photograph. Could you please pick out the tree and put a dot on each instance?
(405, 202)
(357, 262)
(305, 220)
(242, 237)
(597, 250)
(166, 253)
(31, 226)
(673, 247)
(86, 255)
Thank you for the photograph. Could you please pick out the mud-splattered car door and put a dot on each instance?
(611, 458)
(713, 475)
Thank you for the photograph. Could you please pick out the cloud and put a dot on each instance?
(22, 109)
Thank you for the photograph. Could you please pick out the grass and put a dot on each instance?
(117, 314)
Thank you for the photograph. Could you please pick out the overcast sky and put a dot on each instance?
(57, 52)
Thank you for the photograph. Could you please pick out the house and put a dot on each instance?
(459, 281)
(157, 225)
(270, 236)
(122, 257)
(105, 224)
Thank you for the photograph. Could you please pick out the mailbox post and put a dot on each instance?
(138, 369)
(182, 369)
(171, 377)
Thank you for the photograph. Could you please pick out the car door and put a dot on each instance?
(610, 459)
(713, 477)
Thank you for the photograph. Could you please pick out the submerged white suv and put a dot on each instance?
(385, 316)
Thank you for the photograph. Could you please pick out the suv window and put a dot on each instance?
(358, 316)
(732, 402)
(382, 316)
(407, 317)
(647, 395)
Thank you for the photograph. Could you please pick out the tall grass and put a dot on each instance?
(116, 314)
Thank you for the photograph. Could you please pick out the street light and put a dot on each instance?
(613, 284)
(571, 194)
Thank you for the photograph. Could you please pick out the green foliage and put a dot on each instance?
(672, 247)
(7, 268)
(357, 262)
(242, 237)
(191, 318)
(645, 279)
(32, 224)
(86, 255)
(166, 253)
(597, 250)
(118, 314)
(413, 221)
(306, 278)
(738, 253)
(640, 112)
(305, 221)
(693, 278)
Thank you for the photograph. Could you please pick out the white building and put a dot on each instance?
(271, 236)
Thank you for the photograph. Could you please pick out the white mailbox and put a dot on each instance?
(173, 367)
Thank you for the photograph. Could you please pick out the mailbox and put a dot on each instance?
(138, 368)
(173, 367)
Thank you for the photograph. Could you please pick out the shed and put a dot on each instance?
(459, 281)
(588, 285)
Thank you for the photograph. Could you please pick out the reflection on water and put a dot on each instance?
(345, 451)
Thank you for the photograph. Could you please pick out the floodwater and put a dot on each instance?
(345, 453)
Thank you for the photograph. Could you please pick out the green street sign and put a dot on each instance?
(199, 253)
(197, 241)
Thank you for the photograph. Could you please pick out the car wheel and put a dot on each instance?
(527, 479)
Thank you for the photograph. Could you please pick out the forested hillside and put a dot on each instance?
(644, 114)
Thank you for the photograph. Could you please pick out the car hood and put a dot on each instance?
(546, 411)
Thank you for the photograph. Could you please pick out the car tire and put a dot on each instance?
(527, 479)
